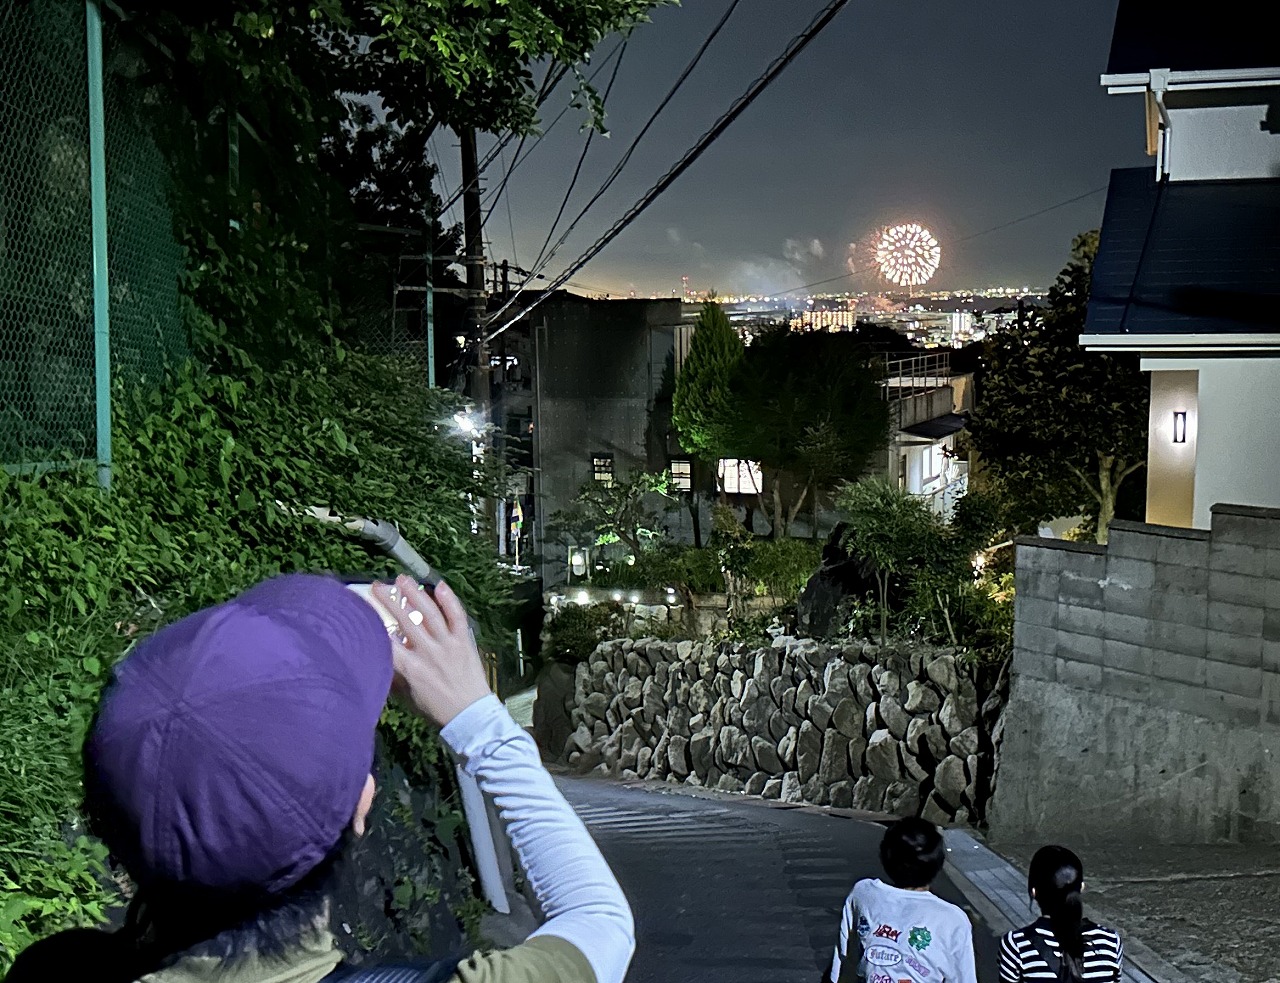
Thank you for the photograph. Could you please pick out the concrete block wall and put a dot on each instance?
(1147, 672)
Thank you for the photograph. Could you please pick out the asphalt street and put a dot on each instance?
(733, 890)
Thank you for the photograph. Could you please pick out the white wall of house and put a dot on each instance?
(1212, 142)
(1236, 428)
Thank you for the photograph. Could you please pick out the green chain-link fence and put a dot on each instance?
(50, 391)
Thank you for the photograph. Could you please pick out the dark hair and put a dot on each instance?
(912, 853)
(1054, 881)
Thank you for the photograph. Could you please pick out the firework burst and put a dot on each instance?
(908, 255)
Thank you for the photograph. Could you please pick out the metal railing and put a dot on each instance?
(906, 378)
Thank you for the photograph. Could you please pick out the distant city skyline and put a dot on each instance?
(959, 119)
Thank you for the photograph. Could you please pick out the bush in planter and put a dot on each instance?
(575, 632)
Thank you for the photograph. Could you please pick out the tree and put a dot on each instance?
(895, 531)
(621, 511)
(703, 408)
(809, 409)
(1059, 428)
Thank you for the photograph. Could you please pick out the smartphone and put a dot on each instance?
(365, 590)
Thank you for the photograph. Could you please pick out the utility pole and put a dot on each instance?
(473, 248)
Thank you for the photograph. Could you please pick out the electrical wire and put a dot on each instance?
(491, 198)
(626, 157)
(511, 222)
(798, 44)
(539, 263)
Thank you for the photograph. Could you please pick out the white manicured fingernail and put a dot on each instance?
(415, 617)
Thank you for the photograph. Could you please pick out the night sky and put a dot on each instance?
(960, 116)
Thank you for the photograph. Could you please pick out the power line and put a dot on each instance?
(792, 51)
(539, 262)
(626, 157)
(955, 242)
(491, 199)
(511, 222)
(548, 86)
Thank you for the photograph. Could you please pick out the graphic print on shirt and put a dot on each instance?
(864, 926)
(887, 932)
(919, 968)
(920, 938)
(883, 955)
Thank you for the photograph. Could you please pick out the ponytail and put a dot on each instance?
(1056, 879)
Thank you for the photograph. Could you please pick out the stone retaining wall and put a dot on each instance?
(899, 729)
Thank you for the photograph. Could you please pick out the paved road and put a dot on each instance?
(729, 890)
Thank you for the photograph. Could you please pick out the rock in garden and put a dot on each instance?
(820, 712)
(581, 738)
(965, 743)
(857, 753)
(766, 755)
(871, 719)
(936, 811)
(860, 676)
(787, 747)
(790, 791)
(756, 783)
(942, 671)
(735, 714)
(804, 693)
(924, 738)
(814, 791)
(883, 758)
(869, 793)
(700, 697)
(599, 730)
(644, 760)
(755, 719)
(777, 685)
(737, 747)
(895, 717)
(841, 795)
(700, 750)
(789, 701)
(661, 763)
(834, 764)
(922, 698)
(902, 799)
(678, 721)
(633, 692)
(890, 684)
(738, 684)
(949, 781)
(848, 718)
(808, 751)
(596, 705)
(913, 769)
(777, 725)
(772, 789)
(957, 715)
(684, 650)
(729, 783)
(835, 682)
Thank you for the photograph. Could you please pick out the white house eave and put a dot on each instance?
(1175, 344)
(1226, 78)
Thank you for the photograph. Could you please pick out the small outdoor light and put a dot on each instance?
(1180, 426)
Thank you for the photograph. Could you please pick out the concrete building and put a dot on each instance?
(1188, 268)
(928, 407)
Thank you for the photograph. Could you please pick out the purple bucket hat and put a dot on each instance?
(232, 747)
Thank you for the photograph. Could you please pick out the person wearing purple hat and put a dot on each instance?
(231, 761)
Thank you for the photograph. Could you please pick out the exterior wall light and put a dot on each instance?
(1180, 426)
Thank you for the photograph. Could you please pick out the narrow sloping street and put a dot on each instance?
(730, 890)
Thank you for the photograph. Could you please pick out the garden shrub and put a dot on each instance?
(577, 629)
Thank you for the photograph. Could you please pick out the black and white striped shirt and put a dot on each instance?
(1020, 961)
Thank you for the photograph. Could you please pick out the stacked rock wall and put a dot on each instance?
(898, 729)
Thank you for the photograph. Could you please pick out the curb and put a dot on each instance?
(996, 890)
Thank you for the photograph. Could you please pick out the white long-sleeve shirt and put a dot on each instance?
(583, 904)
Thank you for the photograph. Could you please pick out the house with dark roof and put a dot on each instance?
(1188, 267)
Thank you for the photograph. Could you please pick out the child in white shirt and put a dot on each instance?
(902, 933)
